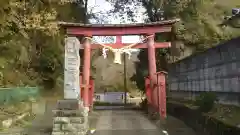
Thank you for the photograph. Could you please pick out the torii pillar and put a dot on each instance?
(151, 61)
(86, 72)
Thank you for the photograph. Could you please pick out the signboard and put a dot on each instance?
(71, 71)
(113, 97)
(110, 97)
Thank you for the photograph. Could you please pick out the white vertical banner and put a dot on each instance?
(71, 71)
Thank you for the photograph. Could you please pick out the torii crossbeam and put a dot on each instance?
(118, 30)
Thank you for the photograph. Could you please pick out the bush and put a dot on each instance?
(206, 101)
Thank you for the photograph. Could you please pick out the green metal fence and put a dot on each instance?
(19, 94)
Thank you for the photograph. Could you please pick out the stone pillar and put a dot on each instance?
(71, 68)
(70, 117)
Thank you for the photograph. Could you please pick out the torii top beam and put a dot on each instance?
(79, 29)
(117, 29)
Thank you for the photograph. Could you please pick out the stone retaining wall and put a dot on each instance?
(217, 70)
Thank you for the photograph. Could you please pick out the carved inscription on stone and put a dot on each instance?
(71, 72)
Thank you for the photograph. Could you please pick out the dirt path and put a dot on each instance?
(125, 123)
(109, 122)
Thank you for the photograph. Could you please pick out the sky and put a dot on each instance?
(103, 6)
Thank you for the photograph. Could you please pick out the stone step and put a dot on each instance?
(68, 104)
(68, 133)
(68, 113)
(66, 120)
(69, 127)
(69, 118)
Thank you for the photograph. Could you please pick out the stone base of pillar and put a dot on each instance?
(91, 108)
(70, 118)
(151, 112)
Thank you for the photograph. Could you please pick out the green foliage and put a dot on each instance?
(141, 70)
(200, 20)
(31, 43)
(206, 101)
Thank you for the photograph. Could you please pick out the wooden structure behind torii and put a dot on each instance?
(118, 30)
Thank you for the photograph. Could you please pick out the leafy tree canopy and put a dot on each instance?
(199, 26)
(31, 43)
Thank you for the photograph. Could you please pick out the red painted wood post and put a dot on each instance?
(162, 94)
(91, 89)
(139, 45)
(81, 88)
(151, 64)
(148, 90)
(158, 94)
(118, 40)
(86, 72)
(151, 60)
(122, 30)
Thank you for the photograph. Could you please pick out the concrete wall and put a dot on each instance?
(217, 69)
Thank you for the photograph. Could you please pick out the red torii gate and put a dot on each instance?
(118, 30)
